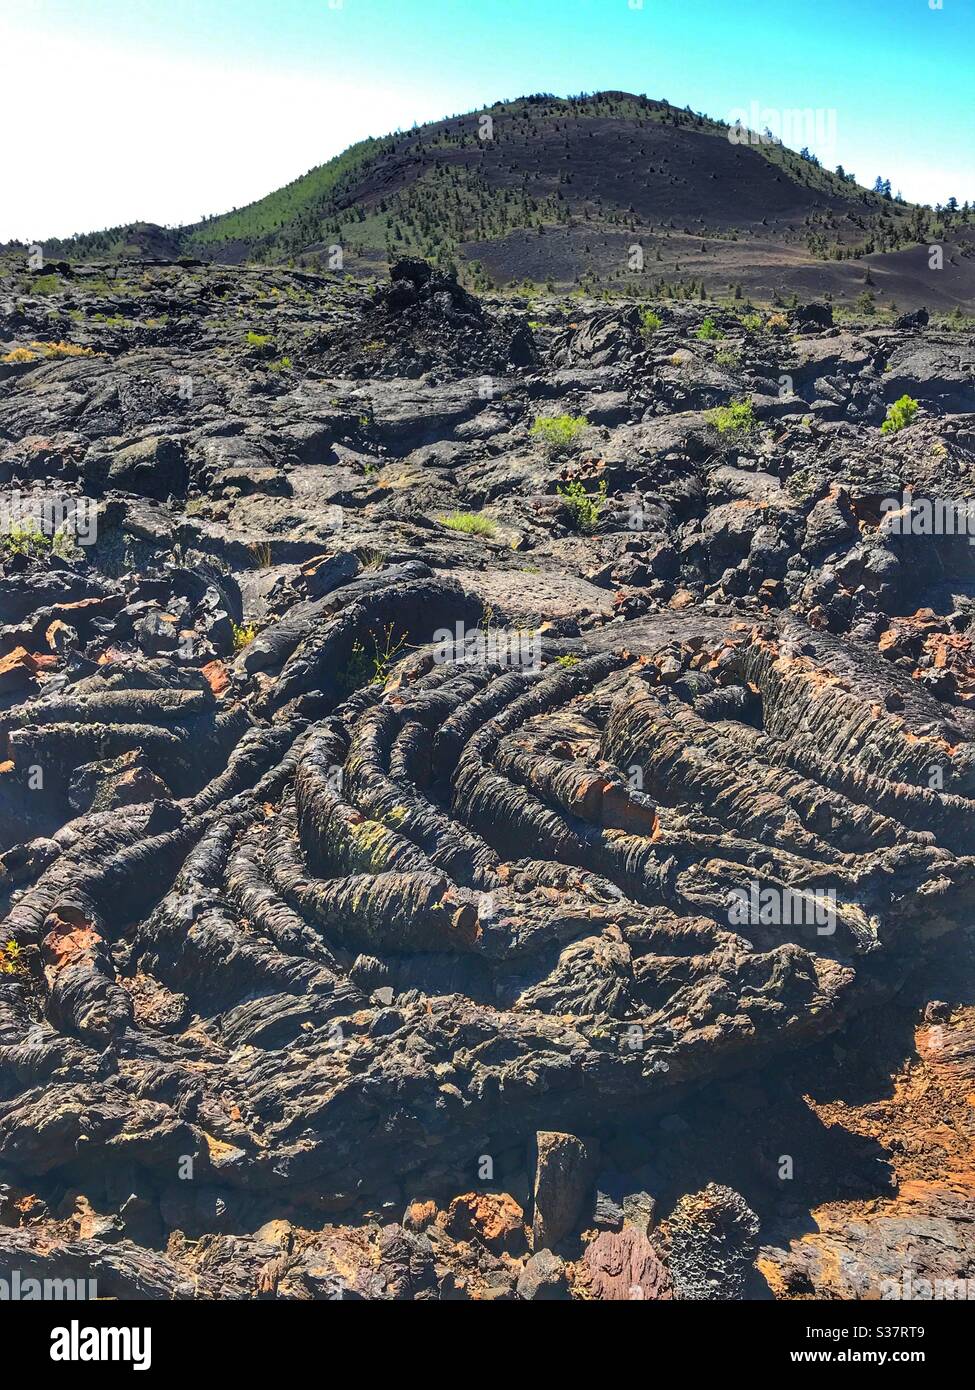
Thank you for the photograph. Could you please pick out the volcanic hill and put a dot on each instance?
(559, 191)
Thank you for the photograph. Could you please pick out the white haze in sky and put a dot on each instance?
(96, 136)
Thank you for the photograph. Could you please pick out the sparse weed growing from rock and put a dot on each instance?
(19, 355)
(777, 323)
(258, 340)
(371, 659)
(899, 415)
(469, 522)
(244, 634)
(34, 543)
(737, 418)
(559, 433)
(583, 506)
(45, 284)
(728, 359)
(10, 961)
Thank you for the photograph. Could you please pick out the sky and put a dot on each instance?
(168, 110)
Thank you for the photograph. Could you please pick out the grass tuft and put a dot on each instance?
(471, 523)
(560, 433)
(737, 418)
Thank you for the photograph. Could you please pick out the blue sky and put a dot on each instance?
(175, 108)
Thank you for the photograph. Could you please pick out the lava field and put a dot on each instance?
(487, 792)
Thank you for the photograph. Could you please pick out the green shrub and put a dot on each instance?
(258, 340)
(900, 414)
(45, 284)
(709, 330)
(728, 359)
(649, 323)
(752, 323)
(559, 433)
(737, 418)
(584, 507)
(470, 523)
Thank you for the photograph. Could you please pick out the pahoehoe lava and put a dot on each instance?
(321, 918)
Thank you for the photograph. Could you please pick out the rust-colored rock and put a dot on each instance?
(620, 1266)
(493, 1218)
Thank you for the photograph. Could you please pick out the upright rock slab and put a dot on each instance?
(565, 1170)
